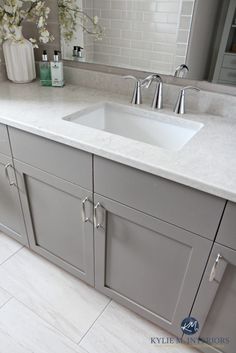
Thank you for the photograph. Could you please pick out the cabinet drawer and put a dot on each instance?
(55, 158)
(228, 75)
(227, 231)
(4, 141)
(185, 207)
(229, 61)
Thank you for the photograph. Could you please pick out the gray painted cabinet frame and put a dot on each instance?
(53, 212)
(11, 216)
(148, 265)
(4, 141)
(227, 231)
(215, 304)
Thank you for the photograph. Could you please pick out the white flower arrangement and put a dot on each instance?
(70, 14)
(14, 12)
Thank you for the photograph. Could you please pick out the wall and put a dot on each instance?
(206, 21)
(29, 30)
(2, 66)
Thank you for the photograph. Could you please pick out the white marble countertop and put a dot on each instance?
(207, 162)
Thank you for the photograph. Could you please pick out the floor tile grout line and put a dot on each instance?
(38, 315)
(45, 321)
(2, 263)
(7, 292)
(8, 300)
(84, 349)
(101, 313)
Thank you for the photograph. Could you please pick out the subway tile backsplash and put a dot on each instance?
(142, 34)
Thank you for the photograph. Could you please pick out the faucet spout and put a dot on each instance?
(181, 71)
(157, 102)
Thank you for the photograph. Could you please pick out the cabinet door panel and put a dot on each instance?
(54, 221)
(148, 265)
(215, 305)
(11, 216)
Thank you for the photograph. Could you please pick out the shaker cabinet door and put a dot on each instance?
(148, 265)
(11, 216)
(215, 305)
(59, 220)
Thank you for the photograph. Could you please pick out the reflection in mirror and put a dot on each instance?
(195, 39)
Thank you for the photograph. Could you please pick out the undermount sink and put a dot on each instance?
(153, 128)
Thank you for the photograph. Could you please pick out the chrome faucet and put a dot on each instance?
(139, 83)
(157, 102)
(181, 71)
(180, 104)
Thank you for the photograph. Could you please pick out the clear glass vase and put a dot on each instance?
(19, 59)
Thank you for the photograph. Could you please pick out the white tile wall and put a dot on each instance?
(142, 34)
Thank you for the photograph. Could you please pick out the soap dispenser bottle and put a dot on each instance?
(45, 70)
(57, 70)
(77, 53)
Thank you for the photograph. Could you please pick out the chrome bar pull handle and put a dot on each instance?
(84, 217)
(214, 268)
(7, 166)
(97, 224)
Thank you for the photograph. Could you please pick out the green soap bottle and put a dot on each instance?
(45, 70)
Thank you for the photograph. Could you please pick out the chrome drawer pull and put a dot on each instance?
(11, 183)
(214, 268)
(96, 223)
(84, 218)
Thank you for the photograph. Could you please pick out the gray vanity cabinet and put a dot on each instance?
(215, 305)
(146, 264)
(11, 217)
(58, 219)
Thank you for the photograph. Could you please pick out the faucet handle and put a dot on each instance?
(131, 77)
(146, 82)
(190, 88)
(137, 95)
(142, 82)
(180, 104)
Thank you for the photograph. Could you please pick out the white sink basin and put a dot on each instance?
(157, 129)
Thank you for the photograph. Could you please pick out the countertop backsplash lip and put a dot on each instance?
(168, 79)
(205, 163)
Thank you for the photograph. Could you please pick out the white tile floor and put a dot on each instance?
(45, 310)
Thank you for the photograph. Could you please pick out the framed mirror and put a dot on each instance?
(195, 39)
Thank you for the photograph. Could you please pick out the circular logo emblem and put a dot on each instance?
(190, 326)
